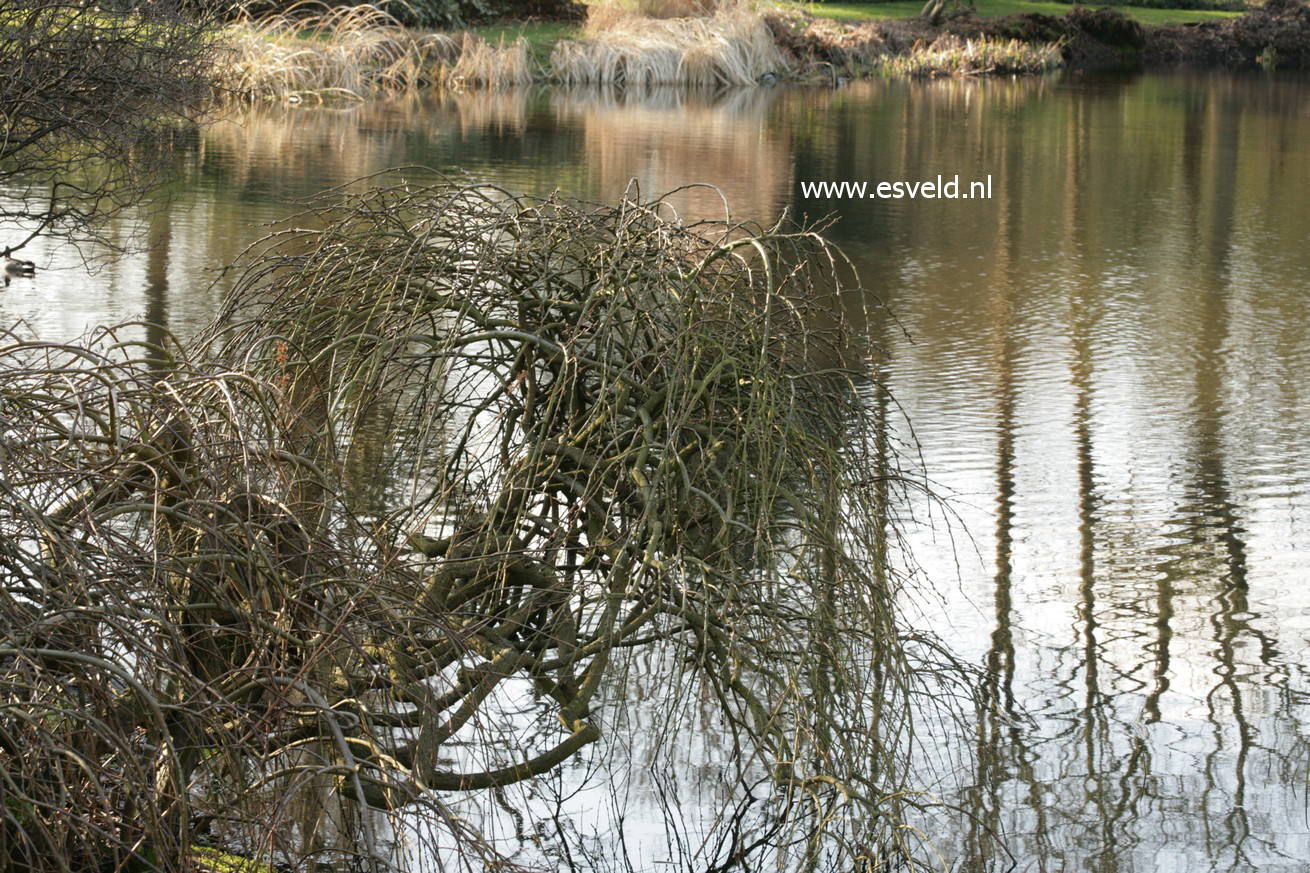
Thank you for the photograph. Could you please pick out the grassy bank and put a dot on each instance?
(900, 11)
(361, 52)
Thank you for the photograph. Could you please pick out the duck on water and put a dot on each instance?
(15, 267)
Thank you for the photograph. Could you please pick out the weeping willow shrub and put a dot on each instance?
(404, 525)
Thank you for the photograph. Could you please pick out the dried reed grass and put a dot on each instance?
(733, 46)
(949, 55)
(313, 52)
(603, 14)
(362, 51)
(484, 65)
(349, 51)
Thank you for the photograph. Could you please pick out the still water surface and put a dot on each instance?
(1107, 368)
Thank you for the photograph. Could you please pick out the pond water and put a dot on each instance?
(1106, 366)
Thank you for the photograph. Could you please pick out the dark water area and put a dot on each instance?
(1106, 366)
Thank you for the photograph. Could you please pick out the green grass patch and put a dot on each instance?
(541, 35)
(217, 861)
(995, 8)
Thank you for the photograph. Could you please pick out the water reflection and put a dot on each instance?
(669, 138)
(1106, 369)
(1084, 354)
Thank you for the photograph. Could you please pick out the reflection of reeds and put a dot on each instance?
(296, 150)
(598, 140)
(731, 47)
(499, 112)
(668, 137)
(282, 145)
(334, 144)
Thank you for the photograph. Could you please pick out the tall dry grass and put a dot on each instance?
(602, 12)
(481, 64)
(730, 45)
(317, 52)
(949, 55)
